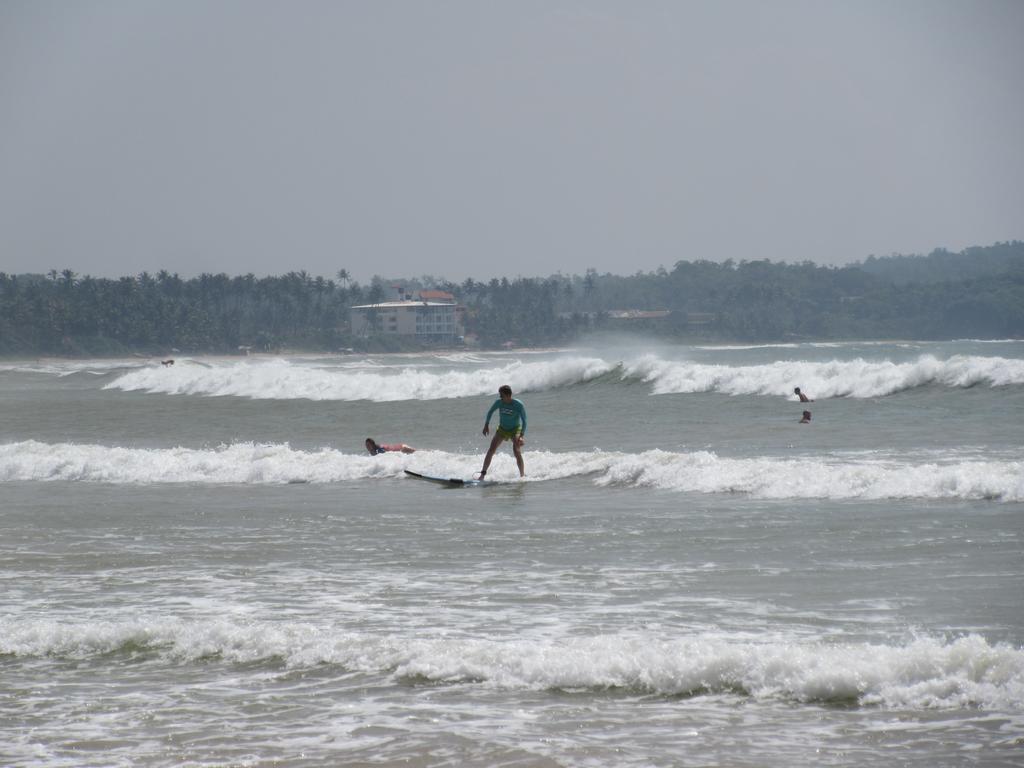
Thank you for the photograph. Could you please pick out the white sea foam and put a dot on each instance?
(281, 379)
(835, 378)
(921, 673)
(247, 463)
(858, 476)
(809, 477)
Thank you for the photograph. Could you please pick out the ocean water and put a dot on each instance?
(200, 566)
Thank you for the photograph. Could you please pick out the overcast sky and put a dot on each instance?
(481, 139)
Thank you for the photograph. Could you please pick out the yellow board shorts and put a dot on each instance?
(508, 434)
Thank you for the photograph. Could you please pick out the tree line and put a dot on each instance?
(977, 293)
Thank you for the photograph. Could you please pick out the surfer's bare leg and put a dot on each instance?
(495, 442)
(517, 449)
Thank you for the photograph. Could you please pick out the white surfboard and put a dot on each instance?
(450, 482)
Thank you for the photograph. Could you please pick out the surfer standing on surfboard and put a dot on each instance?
(511, 425)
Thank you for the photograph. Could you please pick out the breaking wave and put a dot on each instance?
(835, 378)
(922, 673)
(283, 380)
(286, 380)
(859, 476)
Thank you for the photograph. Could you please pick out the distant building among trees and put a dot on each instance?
(432, 317)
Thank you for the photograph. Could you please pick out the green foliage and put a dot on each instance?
(944, 266)
(978, 293)
(210, 313)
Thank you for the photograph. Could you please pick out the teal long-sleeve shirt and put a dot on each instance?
(511, 415)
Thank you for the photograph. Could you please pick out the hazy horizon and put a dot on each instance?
(429, 276)
(462, 139)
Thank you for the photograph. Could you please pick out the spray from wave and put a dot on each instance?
(811, 477)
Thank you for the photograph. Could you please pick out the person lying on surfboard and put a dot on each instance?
(375, 448)
(511, 425)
